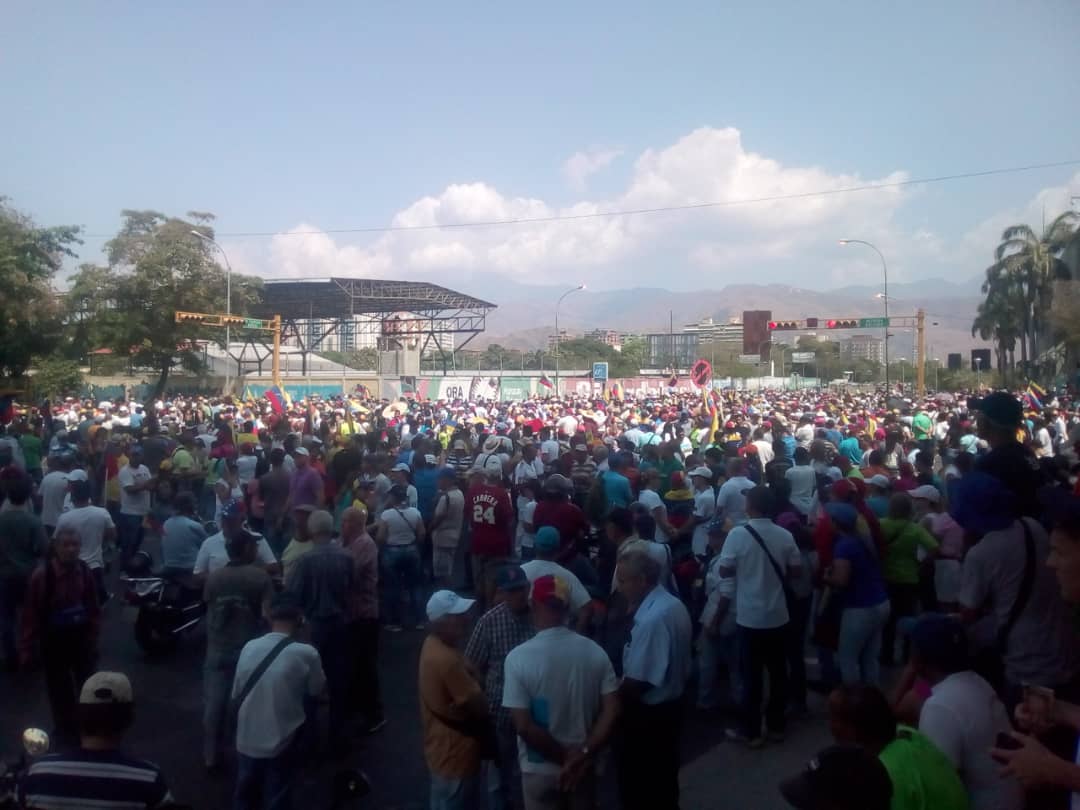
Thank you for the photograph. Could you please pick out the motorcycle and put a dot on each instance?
(163, 607)
(35, 743)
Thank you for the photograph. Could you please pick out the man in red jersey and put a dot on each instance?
(489, 514)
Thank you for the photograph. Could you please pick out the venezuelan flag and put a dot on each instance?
(615, 391)
(1033, 394)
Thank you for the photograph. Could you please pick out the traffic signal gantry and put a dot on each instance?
(916, 321)
(272, 325)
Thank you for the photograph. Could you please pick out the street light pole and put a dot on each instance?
(228, 306)
(885, 297)
(558, 337)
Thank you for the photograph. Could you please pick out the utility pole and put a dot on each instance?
(920, 353)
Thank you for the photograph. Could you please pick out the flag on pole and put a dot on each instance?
(278, 399)
(615, 390)
(544, 381)
(1031, 396)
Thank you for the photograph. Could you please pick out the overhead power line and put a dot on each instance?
(643, 211)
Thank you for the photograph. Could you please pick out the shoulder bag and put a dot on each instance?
(259, 671)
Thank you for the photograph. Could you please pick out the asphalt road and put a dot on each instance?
(168, 694)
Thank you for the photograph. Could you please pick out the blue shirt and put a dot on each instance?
(426, 482)
(181, 541)
(850, 447)
(789, 446)
(658, 652)
(866, 588)
(617, 489)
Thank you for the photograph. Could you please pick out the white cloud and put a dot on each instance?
(790, 240)
(580, 166)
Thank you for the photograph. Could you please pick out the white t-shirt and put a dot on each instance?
(452, 504)
(245, 468)
(730, 501)
(561, 677)
(549, 451)
(717, 586)
(963, 717)
(567, 426)
(53, 488)
(651, 500)
(91, 523)
(526, 511)
(704, 507)
(212, 554)
(402, 526)
(274, 709)
(803, 480)
(759, 598)
(579, 597)
(139, 503)
(528, 471)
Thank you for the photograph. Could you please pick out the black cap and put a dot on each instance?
(841, 777)
(1001, 408)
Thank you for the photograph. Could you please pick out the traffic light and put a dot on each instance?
(780, 326)
(843, 323)
(232, 320)
(811, 323)
(182, 317)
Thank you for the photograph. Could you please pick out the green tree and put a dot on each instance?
(56, 377)
(155, 267)
(30, 322)
(1019, 290)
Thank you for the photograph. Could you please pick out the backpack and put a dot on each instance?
(596, 506)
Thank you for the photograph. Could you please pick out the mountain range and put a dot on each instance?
(526, 313)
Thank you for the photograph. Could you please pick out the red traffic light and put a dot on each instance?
(773, 325)
(831, 324)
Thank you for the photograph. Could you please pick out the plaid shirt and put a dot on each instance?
(497, 632)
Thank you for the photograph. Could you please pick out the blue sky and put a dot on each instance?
(282, 117)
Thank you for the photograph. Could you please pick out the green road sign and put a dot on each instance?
(252, 323)
(873, 323)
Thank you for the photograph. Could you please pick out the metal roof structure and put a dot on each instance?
(329, 298)
(313, 309)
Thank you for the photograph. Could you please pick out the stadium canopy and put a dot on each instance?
(410, 311)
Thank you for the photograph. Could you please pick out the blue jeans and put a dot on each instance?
(455, 794)
(129, 534)
(860, 643)
(218, 674)
(402, 576)
(266, 784)
(714, 651)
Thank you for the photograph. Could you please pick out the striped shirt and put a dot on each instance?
(93, 780)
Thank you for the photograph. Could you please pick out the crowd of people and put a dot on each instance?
(586, 571)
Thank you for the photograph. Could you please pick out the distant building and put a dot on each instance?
(555, 340)
(709, 331)
(863, 347)
(610, 337)
(665, 350)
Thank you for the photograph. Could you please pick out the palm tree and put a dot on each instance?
(1019, 289)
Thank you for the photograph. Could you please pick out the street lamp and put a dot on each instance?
(978, 373)
(884, 297)
(558, 337)
(228, 306)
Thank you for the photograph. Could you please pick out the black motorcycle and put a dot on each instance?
(163, 606)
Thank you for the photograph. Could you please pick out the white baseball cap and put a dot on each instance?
(301, 451)
(77, 475)
(926, 492)
(701, 472)
(880, 481)
(402, 467)
(447, 603)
